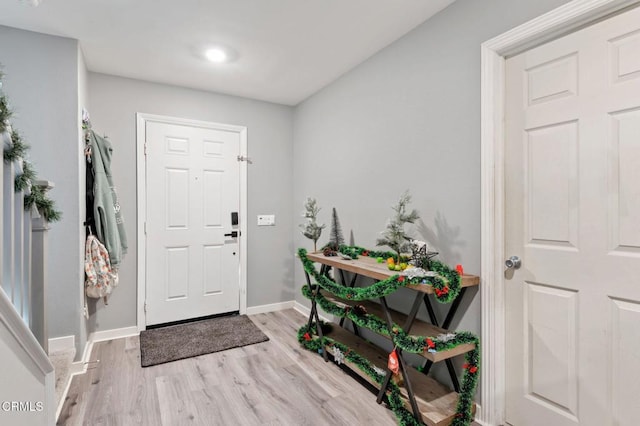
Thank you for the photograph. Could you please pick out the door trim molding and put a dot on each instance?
(141, 120)
(558, 22)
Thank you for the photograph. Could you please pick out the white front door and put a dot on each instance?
(192, 265)
(572, 162)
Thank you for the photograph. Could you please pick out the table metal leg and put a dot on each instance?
(453, 309)
(314, 315)
(430, 311)
(447, 322)
(403, 366)
(351, 284)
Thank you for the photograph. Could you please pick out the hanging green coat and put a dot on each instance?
(106, 209)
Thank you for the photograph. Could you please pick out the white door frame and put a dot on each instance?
(561, 21)
(142, 119)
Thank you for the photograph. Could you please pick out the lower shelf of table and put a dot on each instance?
(419, 327)
(436, 402)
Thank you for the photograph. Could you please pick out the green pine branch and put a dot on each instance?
(18, 148)
(5, 113)
(311, 229)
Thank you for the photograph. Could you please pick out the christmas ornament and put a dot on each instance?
(445, 337)
(392, 363)
(379, 370)
(420, 254)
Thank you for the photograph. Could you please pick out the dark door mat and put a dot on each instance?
(182, 341)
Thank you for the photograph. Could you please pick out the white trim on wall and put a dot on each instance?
(271, 307)
(563, 20)
(142, 119)
(64, 343)
(116, 333)
(306, 311)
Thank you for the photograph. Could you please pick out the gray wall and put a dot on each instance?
(114, 103)
(41, 83)
(407, 118)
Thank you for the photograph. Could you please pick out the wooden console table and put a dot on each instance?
(430, 402)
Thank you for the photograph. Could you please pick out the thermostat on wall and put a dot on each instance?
(266, 220)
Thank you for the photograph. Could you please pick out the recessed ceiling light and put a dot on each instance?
(217, 55)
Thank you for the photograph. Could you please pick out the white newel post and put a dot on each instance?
(39, 264)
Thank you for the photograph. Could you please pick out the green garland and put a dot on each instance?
(43, 203)
(18, 149)
(5, 112)
(24, 179)
(400, 338)
(463, 415)
(446, 284)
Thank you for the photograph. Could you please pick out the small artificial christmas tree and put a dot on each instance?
(394, 236)
(310, 228)
(336, 239)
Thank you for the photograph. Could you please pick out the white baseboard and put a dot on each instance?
(116, 333)
(59, 344)
(271, 307)
(306, 311)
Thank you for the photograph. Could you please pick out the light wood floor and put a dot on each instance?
(271, 383)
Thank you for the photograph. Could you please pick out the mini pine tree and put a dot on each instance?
(336, 239)
(310, 228)
(394, 236)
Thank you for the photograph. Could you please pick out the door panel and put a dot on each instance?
(624, 178)
(572, 161)
(625, 347)
(192, 268)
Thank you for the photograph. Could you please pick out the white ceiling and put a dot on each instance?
(286, 49)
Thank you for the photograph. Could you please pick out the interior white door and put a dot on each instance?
(192, 265)
(572, 163)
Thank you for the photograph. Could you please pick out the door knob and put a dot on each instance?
(513, 262)
(232, 234)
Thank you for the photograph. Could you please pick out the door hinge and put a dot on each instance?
(145, 149)
(145, 228)
(145, 307)
(243, 158)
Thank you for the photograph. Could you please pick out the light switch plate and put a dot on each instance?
(266, 220)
